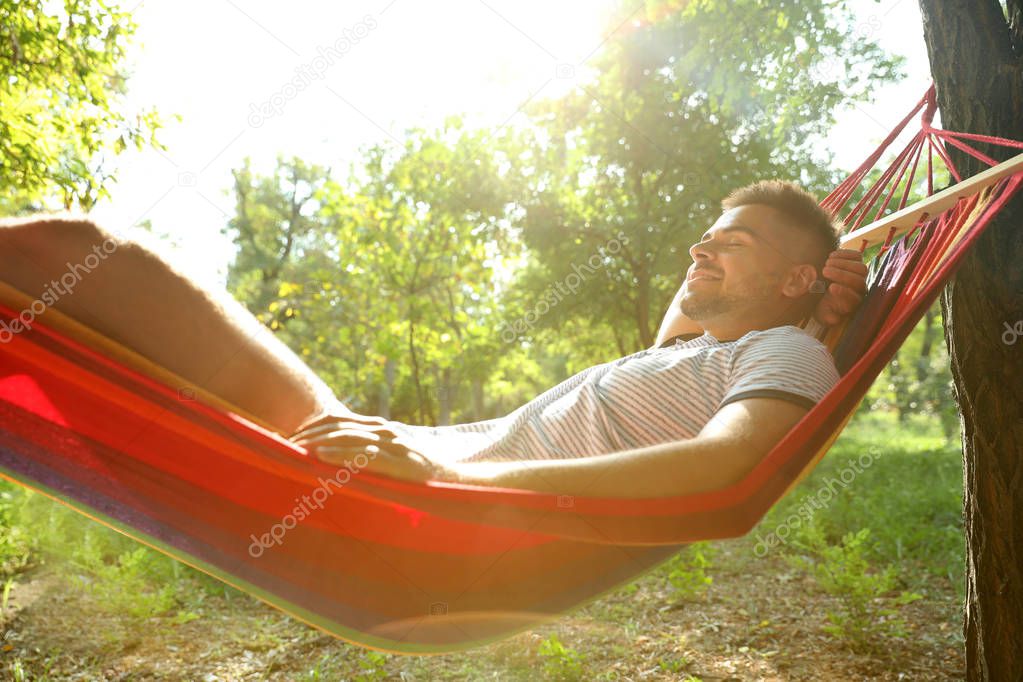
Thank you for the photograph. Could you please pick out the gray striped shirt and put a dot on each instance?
(653, 396)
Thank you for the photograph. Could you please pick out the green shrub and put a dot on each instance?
(123, 576)
(371, 667)
(135, 583)
(867, 612)
(910, 495)
(16, 541)
(687, 570)
(560, 663)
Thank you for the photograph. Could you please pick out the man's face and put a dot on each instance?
(739, 264)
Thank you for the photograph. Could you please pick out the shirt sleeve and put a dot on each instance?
(780, 363)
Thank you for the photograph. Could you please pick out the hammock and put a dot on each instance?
(440, 567)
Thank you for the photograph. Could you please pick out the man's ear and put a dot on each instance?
(799, 280)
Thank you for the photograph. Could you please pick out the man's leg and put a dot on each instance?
(128, 294)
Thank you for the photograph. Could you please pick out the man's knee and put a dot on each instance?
(52, 254)
(115, 286)
(129, 294)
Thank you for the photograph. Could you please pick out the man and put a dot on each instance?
(756, 279)
(678, 418)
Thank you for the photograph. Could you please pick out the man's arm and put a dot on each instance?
(736, 438)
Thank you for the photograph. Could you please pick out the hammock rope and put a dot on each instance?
(438, 567)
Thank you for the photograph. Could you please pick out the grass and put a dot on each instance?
(889, 530)
(910, 496)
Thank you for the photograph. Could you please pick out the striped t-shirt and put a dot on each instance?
(653, 396)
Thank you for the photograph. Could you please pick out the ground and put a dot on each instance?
(760, 619)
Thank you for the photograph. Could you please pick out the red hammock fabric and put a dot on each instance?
(388, 564)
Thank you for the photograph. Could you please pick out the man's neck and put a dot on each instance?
(730, 330)
(725, 334)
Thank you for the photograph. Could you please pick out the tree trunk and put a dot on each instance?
(923, 362)
(978, 70)
(900, 381)
(478, 408)
(622, 350)
(444, 395)
(425, 414)
(646, 338)
(384, 406)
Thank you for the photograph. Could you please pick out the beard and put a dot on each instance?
(703, 305)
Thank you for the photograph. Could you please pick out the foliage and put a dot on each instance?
(687, 570)
(387, 284)
(910, 495)
(455, 274)
(135, 583)
(917, 380)
(275, 217)
(867, 612)
(674, 665)
(322, 670)
(123, 577)
(16, 540)
(644, 152)
(62, 81)
(371, 667)
(560, 663)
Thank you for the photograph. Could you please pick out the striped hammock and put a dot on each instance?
(440, 567)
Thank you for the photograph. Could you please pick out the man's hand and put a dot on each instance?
(337, 439)
(848, 276)
(338, 412)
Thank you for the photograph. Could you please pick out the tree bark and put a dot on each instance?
(978, 71)
(923, 362)
(646, 337)
(423, 410)
(386, 389)
(445, 392)
(900, 381)
(478, 409)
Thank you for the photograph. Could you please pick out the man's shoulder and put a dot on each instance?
(785, 341)
(782, 362)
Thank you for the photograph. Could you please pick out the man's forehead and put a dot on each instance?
(733, 228)
(755, 220)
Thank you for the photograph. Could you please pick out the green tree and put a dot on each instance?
(274, 216)
(422, 227)
(387, 283)
(62, 80)
(917, 379)
(645, 151)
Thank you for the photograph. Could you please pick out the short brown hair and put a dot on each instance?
(799, 206)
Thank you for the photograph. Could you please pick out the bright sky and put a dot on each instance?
(369, 69)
